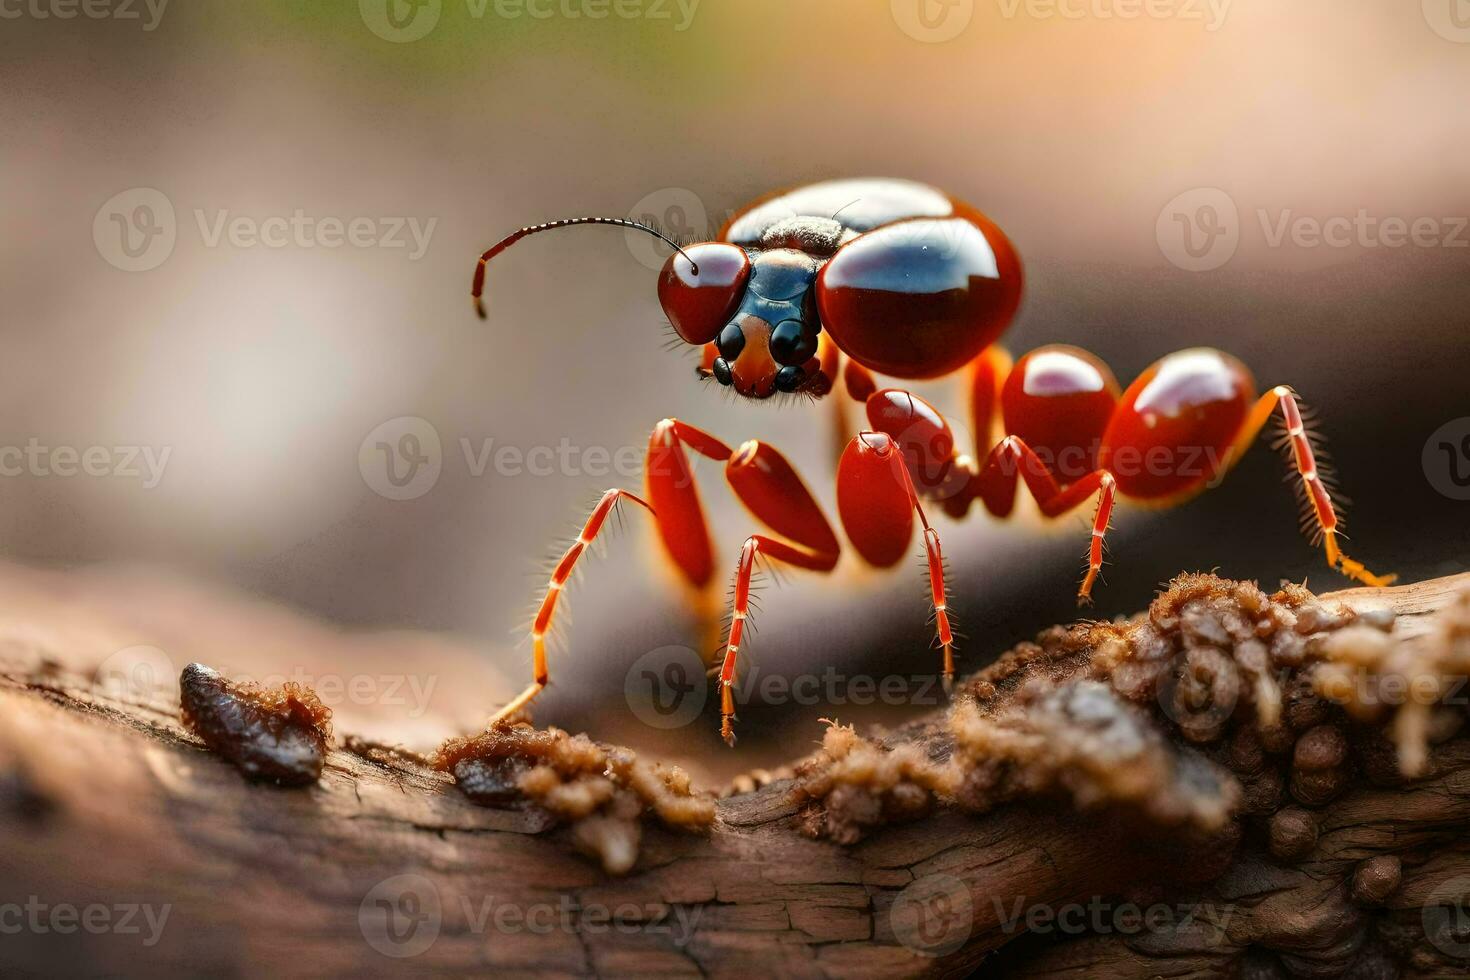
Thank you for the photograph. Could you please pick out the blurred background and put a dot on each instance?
(241, 359)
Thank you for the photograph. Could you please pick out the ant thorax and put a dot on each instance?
(820, 237)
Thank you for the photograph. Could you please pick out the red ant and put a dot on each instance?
(850, 277)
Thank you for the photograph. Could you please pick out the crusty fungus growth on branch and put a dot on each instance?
(278, 734)
(603, 792)
(1078, 742)
(1260, 757)
(1220, 701)
(854, 784)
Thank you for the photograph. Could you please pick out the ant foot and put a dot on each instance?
(1358, 572)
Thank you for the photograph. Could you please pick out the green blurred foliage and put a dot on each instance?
(472, 39)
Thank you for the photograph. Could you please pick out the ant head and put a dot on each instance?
(754, 311)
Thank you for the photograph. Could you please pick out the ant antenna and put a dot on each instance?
(479, 287)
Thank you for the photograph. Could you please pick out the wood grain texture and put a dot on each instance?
(106, 801)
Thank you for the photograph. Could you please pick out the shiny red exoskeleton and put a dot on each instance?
(817, 288)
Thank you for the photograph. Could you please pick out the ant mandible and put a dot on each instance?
(837, 280)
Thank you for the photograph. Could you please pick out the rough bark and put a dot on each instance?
(109, 801)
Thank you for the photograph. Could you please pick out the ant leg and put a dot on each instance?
(877, 501)
(940, 471)
(682, 527)
(988, 374)
(673, 499)
(859, 380)
(563, 571)
(1318, 500)
(835, 365)
(756, 546)
(1105, 486)
(1012, 459)
(841, 426)
(772, 491)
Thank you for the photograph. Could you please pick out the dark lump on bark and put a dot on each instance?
(277, 735)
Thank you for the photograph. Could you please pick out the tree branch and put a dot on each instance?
(110, 802)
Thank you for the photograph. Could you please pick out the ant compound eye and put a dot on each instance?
(721, 369)
(699, 304)
(791, 343)
(731, 342)
(789, 378)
